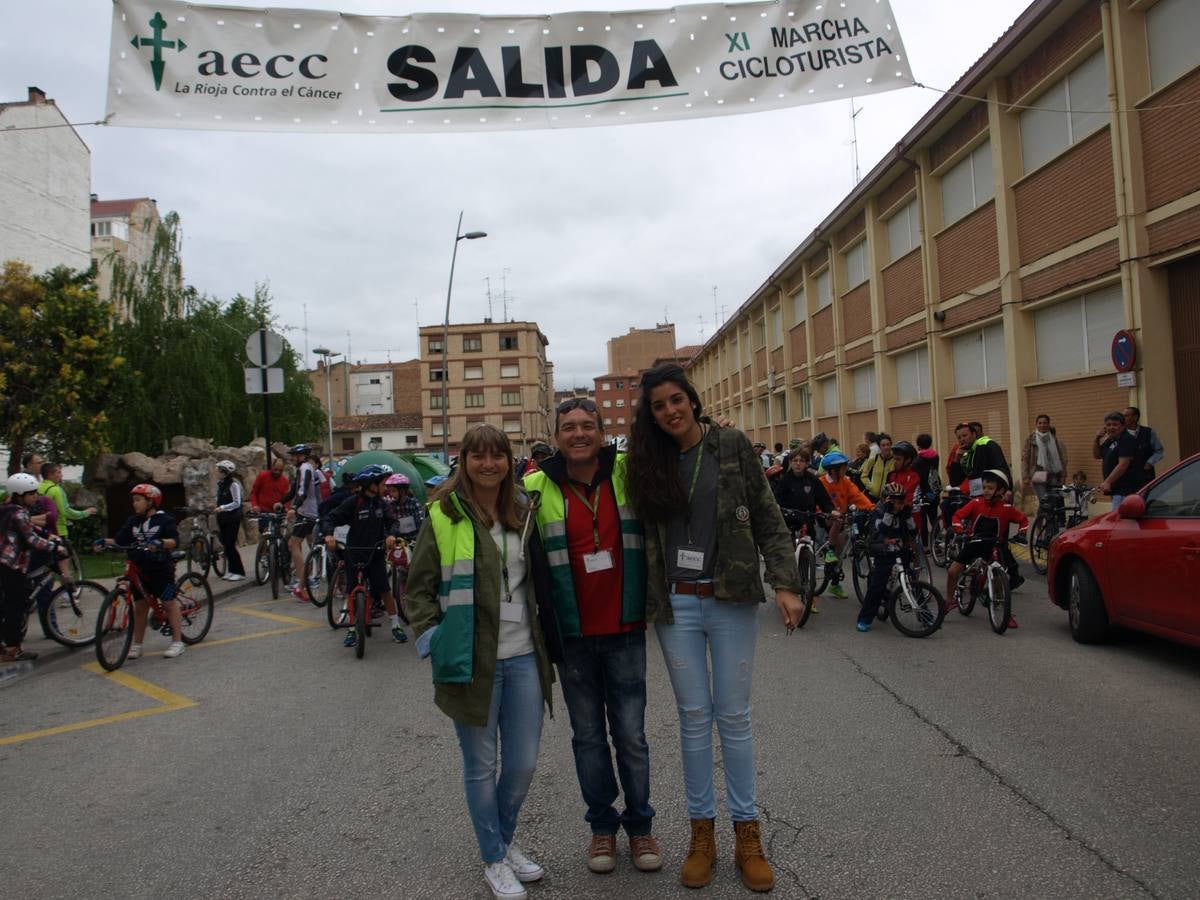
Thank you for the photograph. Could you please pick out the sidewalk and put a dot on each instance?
(49, 651)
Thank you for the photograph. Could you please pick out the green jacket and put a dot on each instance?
(55, 492)
(552, 528)
(748, 523)
(468, 696)
(875, 472)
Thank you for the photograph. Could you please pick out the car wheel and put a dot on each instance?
(1085, 606)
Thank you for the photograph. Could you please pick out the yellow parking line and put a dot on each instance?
(274, 617)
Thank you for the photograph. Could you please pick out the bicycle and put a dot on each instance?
(397, 560)
(941, 534)
(205, 550)
(917, 608)
(319, 567)
(1053, 516)
(115, 621)
(66, 609)
(986, 580)
(272, 559)
(802, 524)
(854, 548)
(354, 608)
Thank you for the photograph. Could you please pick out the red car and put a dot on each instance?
(1137, 566)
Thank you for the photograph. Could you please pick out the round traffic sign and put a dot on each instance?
(1124, 351)
(254, 348)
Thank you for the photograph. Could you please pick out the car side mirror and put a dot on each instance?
(1132, 507)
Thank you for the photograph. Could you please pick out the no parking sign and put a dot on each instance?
(1124, 351)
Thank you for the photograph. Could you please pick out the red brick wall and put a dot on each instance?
(852, 229)
(895, 192)
(974, 310)
(861, 352)
(967, 252)
(823, 331)
(1067, 199)
(825, 366)
(1076, 270)
(903, 287)
(990, 409)
(906, 422)
(799, 344)
(777, 361)
(747, 378)
(1174, 232)
(1172, 170)
(959, 135)
(829, 425)
(856, 312)
(1076, 409)
(760, 364)
(1073, 34)
(857, 423)
(406, 387)
(909, 334)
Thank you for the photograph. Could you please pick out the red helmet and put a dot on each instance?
(149, 491)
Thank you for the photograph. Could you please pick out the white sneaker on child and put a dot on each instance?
(503, 881)
(135, 651)
(176, 649)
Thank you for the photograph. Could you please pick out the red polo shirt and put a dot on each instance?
(598, 594)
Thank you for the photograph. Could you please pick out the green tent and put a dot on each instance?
(387, 458)
(427, 465)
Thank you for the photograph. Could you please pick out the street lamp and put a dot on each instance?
(325, 353)
(458, 236)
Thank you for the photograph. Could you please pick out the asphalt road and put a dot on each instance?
(275, 764)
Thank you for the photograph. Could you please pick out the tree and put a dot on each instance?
(58, 364)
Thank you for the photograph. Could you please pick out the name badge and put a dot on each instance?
(976, 487)
(691, 558)
(511, 611)
(597, 562)
(407, 524)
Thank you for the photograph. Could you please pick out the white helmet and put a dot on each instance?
(226, 465)
(20, 483)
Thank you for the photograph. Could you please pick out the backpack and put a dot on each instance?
(935, 482)
(324, 488)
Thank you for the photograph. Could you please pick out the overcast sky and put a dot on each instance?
(599, 229)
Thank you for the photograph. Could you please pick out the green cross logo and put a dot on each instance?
(157, 65)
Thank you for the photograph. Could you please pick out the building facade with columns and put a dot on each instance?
(982, 270)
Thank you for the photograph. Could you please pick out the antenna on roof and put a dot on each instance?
(488, 279)
(854, 139)
(504, 290)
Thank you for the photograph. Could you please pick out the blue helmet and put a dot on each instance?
(434, 480)
(836, 458)
(372, 473)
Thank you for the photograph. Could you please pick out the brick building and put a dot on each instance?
(633, 351)
(981, 270)
(616, 398)
(372, 403)
(124, 231)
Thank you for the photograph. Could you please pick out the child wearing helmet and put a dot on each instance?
(986, 520)
(409, 512)
(18, 539)
(151, 535)
(844, 494)
(894, 533)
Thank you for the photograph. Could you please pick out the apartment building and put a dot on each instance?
(374, 405)
(983, 269)
(633, 351)
(124, 232)
(494, 372)
(397, 432)
(45, 179)
(616, 398)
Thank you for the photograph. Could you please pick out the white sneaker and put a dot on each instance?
(176, 649)
(232, 576)
(523, 867)
(503, 881)
(134, 651)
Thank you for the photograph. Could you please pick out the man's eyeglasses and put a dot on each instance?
(577, 403)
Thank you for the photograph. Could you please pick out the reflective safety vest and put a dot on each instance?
(452, 649)
(552, 528)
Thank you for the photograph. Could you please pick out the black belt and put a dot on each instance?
(699, 588)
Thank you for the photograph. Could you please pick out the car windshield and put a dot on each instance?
(1177, 495)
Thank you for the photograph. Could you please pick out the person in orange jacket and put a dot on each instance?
(844, 493)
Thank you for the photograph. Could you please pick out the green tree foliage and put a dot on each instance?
(58, 364)
(186, 355)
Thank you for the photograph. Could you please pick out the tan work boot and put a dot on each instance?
(757, 873)
(702, 855)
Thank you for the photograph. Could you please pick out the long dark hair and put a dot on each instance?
(654, 486)
(510, 505)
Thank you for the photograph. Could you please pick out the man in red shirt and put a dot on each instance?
(598, 580)
(270, 487)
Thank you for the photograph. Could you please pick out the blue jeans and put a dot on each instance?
(705, 625)
(881, 571)
(516, 714)
(606, 675)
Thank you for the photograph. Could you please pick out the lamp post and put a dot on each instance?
(458, 236)
(325, 353)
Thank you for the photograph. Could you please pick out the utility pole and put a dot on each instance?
(504, 291)
(716, 319)
(488, 279)
(700, 319)
(854, 139)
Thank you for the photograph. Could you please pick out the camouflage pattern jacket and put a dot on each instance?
(748, 523)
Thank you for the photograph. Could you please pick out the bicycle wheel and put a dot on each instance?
(262, 562)
(274, 562)
(939, 543)
(335, 599)
(198, 559)
(824, 571)
(195, 607)
(70, 615)
(1040, 535)
(806, 564)
(74, 566)
(360, 600)
(220, 565)
(114, 628)
(316, 576)
(999, 599)
(917, 612)
(860, 570)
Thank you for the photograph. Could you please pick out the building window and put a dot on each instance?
(764, 410)
(510, 398)
(435, 345)
(604, 386)
(968, 184)
(508, 342)
(620, 402)
(436, 374)
(760, 334)
(824, 282)
(1065, 113)
(856, 264)
(347, 443)
(473, 373)
(512, 426)
(799, 310)
(410, 439)
(474, 420)
(863, 379)
(474, 398)
(979, 362)
(781, 407)
(776, 327)
(1075, 336)
(904, 232)
(606, 404)
(829, 395)
(912, 375)
(435, 400)
(803, 402)
(512, 370)
(1171, 29)
(620, 385)
(607, 421)
(436, 431)
(472, 343)
(620, 420)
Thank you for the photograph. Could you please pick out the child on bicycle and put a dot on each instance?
(18, 539)
(893, 534)
(986, 520)
(409, 511)
(372, 520)
(844, 494)
(150, 535)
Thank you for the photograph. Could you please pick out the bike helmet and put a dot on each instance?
(836, 458)
(794, 443)
(892, 491)
(541, 448)
(300, 450)
(20, 483)
(997, 476)
(904, 448)
(372, 474)
(774, 470)
(149, 491)
(226, 465)
(434, 480)
(397, 479)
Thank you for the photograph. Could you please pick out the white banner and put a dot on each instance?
(181, 65)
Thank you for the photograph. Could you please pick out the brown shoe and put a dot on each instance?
(602, 853)
(647, 855)
(702, 855)
(757, 873)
